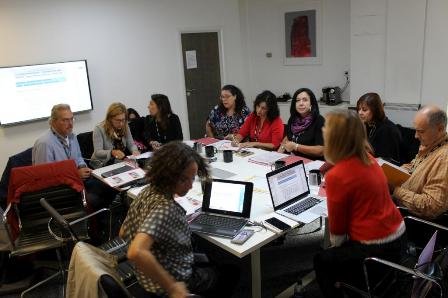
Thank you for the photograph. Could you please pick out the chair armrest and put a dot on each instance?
(55, 214)
(84, 218)
(426, 222)
(404, 269)
(4, 222)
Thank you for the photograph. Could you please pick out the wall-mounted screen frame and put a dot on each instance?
(28, 92)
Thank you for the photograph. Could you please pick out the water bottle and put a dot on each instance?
(299, 291)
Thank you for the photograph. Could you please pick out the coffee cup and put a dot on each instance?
(197, 146)
(314, 177)
(227, 155)
(210, 151)
(278, 164)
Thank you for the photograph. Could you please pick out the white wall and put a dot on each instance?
(399, 50)
(263, 33)
(132, 47)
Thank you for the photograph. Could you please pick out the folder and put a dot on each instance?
(395, 176)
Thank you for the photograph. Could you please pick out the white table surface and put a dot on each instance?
(261, 209)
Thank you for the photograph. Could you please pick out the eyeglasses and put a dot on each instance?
(67, 120)
(225, 96)
(119, 120)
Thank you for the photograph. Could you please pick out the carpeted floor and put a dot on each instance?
(282, 263)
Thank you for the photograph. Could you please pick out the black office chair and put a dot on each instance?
(85, 141)
(34, 235)
(397, 279)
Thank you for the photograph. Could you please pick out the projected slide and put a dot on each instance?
(29, 92)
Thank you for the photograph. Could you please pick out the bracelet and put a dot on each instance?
(297, 147)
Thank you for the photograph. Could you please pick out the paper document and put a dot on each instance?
(141, 156)
(123, 178)
(267, 158)
(190, 204)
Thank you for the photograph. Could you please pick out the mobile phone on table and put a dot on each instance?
(274, 221)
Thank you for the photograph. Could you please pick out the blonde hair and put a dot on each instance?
(345, 136)
(116, 108)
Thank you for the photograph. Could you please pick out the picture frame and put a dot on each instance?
(302, 33)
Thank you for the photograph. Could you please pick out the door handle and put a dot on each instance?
(189, 91)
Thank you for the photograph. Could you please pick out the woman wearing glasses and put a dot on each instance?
(112, 139)
(228, 116)
(304, 128)
(263, 128)
(161, 125)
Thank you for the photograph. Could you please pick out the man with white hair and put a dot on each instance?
(59, 143)
(425, 193)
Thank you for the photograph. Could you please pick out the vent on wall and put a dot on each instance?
(401, 113)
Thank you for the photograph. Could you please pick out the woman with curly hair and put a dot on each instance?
(228, 116)
(157, 228)
(263, 127)
(112, 139)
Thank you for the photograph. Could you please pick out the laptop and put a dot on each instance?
(225, 208)
(290, 194)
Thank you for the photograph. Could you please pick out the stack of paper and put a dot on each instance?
(267, 158)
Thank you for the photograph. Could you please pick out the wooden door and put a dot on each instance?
(202, 75)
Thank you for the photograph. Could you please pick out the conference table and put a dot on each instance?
(241, 169)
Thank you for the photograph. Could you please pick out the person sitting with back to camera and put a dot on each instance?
(304, 128)
(112, 139)
(263, 126)
(158, 231)
(228, 116)
(384, 136)
(363, 220)
(161, 125)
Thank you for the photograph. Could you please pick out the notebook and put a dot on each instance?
(290, 194)
(225, 208)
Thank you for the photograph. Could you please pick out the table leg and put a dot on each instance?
(256, 273)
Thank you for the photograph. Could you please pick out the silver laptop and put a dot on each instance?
(225, 208)
(290, 194)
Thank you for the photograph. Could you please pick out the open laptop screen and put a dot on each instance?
(228, 197)
(287, 184)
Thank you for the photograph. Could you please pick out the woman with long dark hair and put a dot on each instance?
(304, 128)
(383, 134)
(263, 127)
(161, 125)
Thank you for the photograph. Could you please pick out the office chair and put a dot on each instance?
(27, 221)
(397, 279)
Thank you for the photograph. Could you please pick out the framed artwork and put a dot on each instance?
(301, 27)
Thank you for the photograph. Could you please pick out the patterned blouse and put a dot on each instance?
(223, 125)
(167, 225)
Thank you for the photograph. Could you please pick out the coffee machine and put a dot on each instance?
(331, 95)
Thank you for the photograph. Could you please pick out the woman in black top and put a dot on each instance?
(384, 136)
(304, 128)
(161, 125)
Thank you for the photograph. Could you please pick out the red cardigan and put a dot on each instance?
(359, 203)
(271, 132)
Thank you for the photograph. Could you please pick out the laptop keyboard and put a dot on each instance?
(302, 205)
(220, 221)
